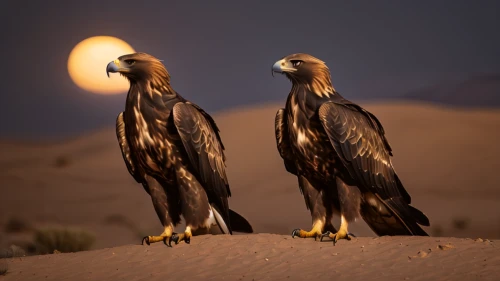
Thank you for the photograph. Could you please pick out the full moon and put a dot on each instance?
(87, 64)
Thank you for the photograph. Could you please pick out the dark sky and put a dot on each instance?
(220, 53)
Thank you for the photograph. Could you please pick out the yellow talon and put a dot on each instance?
(314, 232)
(186, 236)
(166, 237)
(342, 233)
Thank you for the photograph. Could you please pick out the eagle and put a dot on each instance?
(341, 157)
(173, 148)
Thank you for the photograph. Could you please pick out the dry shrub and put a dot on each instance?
(62, 161)
(12, 252)
(3, 267)
(437, 230)
(16, 225)
(461, 223)
(64, 240)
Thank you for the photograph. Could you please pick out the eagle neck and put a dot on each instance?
(301, 102)
(153, 95)
(319, 84)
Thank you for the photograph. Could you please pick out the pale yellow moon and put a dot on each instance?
(87, 65)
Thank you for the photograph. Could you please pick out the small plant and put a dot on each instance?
(62, 161)
(437, 230)
(22, 248)
(3, 267)
(12, 252)
(63, 240)
(460, 223)
(16, 225)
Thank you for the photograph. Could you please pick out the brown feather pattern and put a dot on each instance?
(172, 147)
(335, 143)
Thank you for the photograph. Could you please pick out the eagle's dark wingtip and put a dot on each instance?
(419, 216)
(239, 223)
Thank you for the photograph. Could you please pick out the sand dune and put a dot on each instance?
(447, 159)
(273, 257)
(485, 89)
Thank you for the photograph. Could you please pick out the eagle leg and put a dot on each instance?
(315, 232)
(342, 233)
(349, 198)
(186, 236)
(166, 237)
(321, 212)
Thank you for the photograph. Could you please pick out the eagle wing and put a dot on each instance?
(359, 141)
(122, 141)
(283, 141)
(201, 140)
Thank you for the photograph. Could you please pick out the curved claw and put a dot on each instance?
(350, 234)
(335, 239)
(175, 238)
(324, 235)
(145, 239)
(167, 241)
(295, 232)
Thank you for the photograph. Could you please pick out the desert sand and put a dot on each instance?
(273, 257)
(446, 158)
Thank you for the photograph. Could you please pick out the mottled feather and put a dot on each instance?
(360, 144)
(340, 148)
(205, 151)
(125, 149)
(283, 142)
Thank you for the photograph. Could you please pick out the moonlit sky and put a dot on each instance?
(220, 53)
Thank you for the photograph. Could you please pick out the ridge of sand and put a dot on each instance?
(273, 257)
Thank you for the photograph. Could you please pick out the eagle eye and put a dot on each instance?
(130, 62)
(296, 63)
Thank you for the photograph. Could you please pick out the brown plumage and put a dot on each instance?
(173, 148)
(340, 154)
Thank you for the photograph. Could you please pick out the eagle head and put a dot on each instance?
(140, 67)
(304, 69)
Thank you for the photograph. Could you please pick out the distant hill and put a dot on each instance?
(476, 91)
(446, 158)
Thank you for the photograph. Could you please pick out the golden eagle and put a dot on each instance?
(341, 157)
(173, 148)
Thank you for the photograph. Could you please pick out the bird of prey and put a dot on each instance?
(341, 157)
(172, 147)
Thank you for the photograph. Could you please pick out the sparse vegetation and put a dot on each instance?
(461, 223)
(63, 240)
(12, 252)
(437, 230)
(3, 267)
(62, 161)
(16, 225)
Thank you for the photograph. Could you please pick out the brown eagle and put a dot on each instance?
(173, 148)
(341, 157)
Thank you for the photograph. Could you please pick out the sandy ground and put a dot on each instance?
(273, 257)
(447, 159)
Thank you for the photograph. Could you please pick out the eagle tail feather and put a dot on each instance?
(405, 214)
(393, 217)
(220, 221)
(420, 217)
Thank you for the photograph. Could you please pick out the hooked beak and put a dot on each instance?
(282, 66)
(113, 67)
